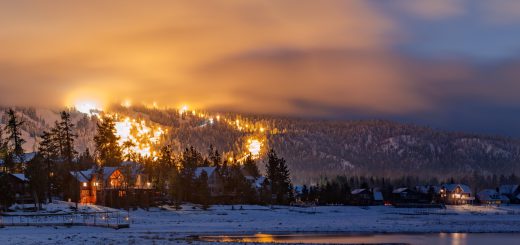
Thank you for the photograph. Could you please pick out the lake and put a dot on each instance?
(379, 238)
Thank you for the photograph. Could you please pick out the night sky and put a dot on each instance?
(449, 64)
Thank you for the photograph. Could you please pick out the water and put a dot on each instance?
(381, 238)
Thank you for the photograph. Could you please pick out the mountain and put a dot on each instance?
(313, 148)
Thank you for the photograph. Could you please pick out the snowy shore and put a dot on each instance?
(166, 225)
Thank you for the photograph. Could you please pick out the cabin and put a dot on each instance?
(18, 186)
(365, 197)
(215, 183)
(117, 187)
(491, 197)
(407, 195)
(456, 194)
(512, 192)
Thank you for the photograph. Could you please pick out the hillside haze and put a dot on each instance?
(314, 148)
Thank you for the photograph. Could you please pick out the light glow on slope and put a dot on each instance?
(254, 146)
(138, 137)
(88, 107)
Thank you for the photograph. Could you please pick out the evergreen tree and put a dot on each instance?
(35, 172)
(250, 167)
(202, 190)
(66, 128)
(15, 152)
(279, 177)
(107, 148)
(48, 152)
(190, 160)
(214, 157)
(86, 160)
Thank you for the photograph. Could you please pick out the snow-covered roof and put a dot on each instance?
(508, 189)
(357, 191)
(425, 189)
(26, 157)
(209, 171)
(21, 177)
(399, 190)
(488, 195)
(83, 176)
(378, 196)
(259, 181)
(452, 187)
(107, 171)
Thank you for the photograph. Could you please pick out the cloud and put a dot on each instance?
(125, 49)
(286, 57)
(435, 9)
(500, 11)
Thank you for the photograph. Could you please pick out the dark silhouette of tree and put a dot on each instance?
(48, 152)
(202, 190)
(7, 194)
(15, 152)
(35, 172)
(107, 149)
(279, 177)
(250, 167)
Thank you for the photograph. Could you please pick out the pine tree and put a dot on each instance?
(107, 148)
(66, 128)
(37, 179)
(214, 157)
(279, 177)
(15, 152)
(202, 190)
(48, 152)
(190, 160)
(250, 167)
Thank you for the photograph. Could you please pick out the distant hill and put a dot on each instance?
(315, 148)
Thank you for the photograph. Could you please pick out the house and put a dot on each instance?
(118, 187)
(512, 192)
(19, 187)
(215, 182)
(456, 194)
(491, 196)
(407, 195)
(366, 196)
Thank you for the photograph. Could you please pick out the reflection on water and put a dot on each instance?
(378, 238)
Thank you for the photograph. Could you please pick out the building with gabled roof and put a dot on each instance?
(456, 194)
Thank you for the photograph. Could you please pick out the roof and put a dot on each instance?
(21, 177)
(107, 171)
(209, 171)
(82, 176)
(425, 189)
(452, 187)
(260, 181)
(399, 190)
(378, 196)
(508, 189)
(26, 157)
(357, 191)
(488, 195)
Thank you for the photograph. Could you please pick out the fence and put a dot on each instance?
(107, 219)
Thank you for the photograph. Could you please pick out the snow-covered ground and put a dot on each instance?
(165, 225)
